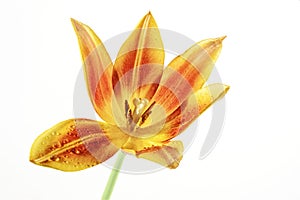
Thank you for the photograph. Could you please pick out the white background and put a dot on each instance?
(258, 156)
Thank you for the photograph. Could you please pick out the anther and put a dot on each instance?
(128, 112)
(139, 107)
(126, 108)
(146, 114)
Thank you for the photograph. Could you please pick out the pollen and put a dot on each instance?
(139, 107)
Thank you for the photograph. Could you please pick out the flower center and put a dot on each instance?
(139, 114)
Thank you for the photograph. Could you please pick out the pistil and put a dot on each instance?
(139, 107)
(139, 114)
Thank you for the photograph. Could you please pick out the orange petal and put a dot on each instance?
(187, 73)
(98, 69)
(169, 155)
(139, 63)
(194, 106)
(73, 145)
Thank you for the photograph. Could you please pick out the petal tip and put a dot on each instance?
(75, 24)
(222, 88)
(222, 38)
(176, 163)
(149, 16)
(147, 21)
(226, 88)
(33, 161)
(73, 21)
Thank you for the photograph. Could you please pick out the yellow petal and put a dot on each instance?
(196, 64)
(169, 155)
(139, 64)
(73, 145)
(129, 143)
(98, 69)
(194, 106)
(187, 73)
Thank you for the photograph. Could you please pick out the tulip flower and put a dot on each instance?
(144, 104)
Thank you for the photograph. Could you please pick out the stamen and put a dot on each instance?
(147, 113)
(126, 108)
(129, 117)
(139, 115)
(128, 112)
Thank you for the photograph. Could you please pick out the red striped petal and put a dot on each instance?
(138, 67)
(187, 73)
(98, 69)
(73, 145)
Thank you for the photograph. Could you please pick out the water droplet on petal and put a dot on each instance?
(65, 141)
(77, 151)
(54, 158)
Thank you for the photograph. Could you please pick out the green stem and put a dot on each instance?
(113, 176)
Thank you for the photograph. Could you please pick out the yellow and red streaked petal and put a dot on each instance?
(139, 65)
(158, 132)
(168, 155)
(202, 100)
(143, 47)
(98, 69)
(129, 142)
(125, 94)
(74, 145)
(194, 106)
(187, 73)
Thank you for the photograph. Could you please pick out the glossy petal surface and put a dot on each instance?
(98, 69)
(187, 73)
(138, 67)
(194, 106)
(73, 145)
(169, 155)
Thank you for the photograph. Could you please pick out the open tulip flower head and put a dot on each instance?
(142, 103)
